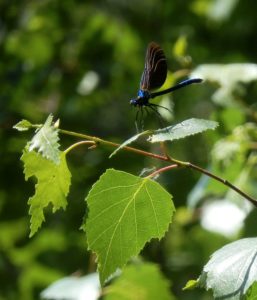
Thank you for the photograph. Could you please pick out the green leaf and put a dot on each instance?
(144, 282)
(182, 130)
(180, 47)
(190, 285)
(53, 182)
(23, 125)
(251, 292)
(231, 270)
(46, 141)
(125, 212)
(129, 141)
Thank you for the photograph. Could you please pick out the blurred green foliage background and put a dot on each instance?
(82, 61)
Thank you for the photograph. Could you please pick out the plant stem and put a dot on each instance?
(224, 181)
(164, 169)
(92, 143)
(166, 157)
(108, 143)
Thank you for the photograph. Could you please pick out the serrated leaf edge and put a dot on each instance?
(31, 147)
(32, 232)
(160, 131)
(138, 250)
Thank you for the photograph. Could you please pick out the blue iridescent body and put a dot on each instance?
(142, 98)
(153, 77)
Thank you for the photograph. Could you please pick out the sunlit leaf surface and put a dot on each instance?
(53, 182)
(23, 125)
(182, 130)
(125, 212)
(46, 141)
(231, 270)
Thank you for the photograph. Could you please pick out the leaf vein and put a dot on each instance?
(100, 235)
(155, 215)
(106, 209)
(116, 226)
(113, 188)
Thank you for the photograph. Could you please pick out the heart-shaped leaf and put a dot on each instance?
(125, 212)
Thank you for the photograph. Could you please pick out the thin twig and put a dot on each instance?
(167, 158)
(92, 143)
(164, 169)
(104, 142)
(224, 181)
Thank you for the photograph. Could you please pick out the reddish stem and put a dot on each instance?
(164, 169)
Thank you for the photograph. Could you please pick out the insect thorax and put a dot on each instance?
(143, 94)
(142, 99)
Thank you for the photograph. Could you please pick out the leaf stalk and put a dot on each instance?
(176, 163)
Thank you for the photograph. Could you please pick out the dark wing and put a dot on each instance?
(155, 71)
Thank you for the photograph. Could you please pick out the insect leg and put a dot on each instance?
(147, 111)
(136, 123)
(142, 118)
(157, 114)
(156, 105)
